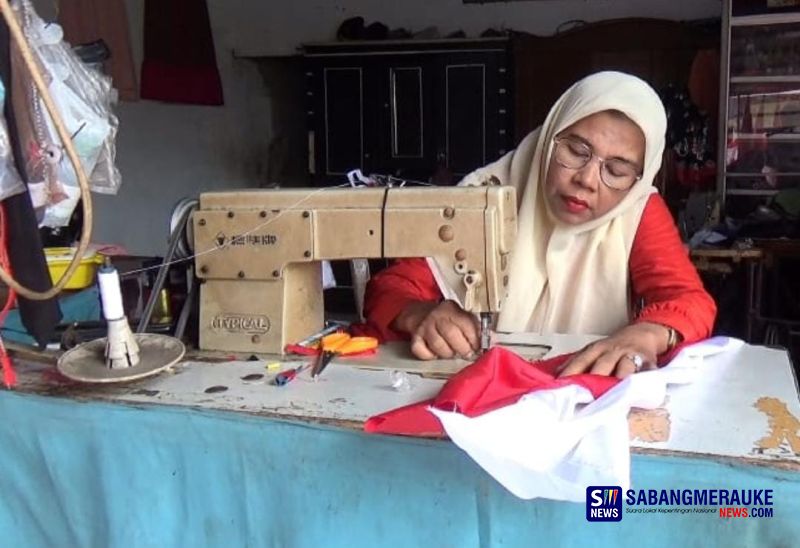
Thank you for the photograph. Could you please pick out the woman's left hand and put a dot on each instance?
(619, 354)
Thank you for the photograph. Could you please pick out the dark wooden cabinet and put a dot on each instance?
(445, 107)
(408, 108)
(659, 51)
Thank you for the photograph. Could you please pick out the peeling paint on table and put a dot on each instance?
(649, 425)
(784, 427)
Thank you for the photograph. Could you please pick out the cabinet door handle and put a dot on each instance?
(312, 165)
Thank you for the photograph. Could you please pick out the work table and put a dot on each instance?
(726, 413)
(735, 426)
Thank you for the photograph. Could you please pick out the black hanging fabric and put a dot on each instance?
(28, 262)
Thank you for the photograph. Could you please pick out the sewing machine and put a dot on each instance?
(258, 252)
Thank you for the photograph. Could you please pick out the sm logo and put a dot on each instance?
(603, 503)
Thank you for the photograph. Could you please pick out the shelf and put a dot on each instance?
(734, 174)
(787, 79)
(765, 19)
(760, 84)
(750, 192)
(777, 137)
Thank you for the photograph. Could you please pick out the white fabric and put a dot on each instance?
(563, 278)
(547, 445)
(328, 278)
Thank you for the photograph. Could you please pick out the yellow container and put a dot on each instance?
(58, 259)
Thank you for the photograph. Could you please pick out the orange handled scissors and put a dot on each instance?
(340, 343)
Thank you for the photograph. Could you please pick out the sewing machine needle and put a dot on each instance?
(485, 331)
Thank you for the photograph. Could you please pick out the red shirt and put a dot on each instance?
(661, 275)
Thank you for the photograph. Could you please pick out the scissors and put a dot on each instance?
(340, 343)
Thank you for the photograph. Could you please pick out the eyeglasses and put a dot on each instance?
(616, 173)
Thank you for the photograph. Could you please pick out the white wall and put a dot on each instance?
(167, 152)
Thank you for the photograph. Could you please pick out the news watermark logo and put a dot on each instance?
(604, 503)
(726, 503)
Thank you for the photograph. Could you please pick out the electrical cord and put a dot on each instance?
(9, 375)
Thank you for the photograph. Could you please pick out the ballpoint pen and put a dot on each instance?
(285, 377)
(332, 328)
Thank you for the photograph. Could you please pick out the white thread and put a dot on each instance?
(110, 293)
(214, 249)
(265, 223)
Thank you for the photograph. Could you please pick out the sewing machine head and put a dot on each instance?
(258, 252)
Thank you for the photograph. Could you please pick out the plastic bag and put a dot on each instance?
(83, 97)
(10, 183)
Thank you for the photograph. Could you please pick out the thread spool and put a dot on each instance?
(110, 291)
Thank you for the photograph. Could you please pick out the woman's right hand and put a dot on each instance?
(439, 329)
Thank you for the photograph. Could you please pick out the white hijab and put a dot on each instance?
(565, 278)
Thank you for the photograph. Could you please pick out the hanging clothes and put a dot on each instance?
(180, 64)
(689, 138)
(25, 247)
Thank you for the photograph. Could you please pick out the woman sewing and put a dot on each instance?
(594, 241)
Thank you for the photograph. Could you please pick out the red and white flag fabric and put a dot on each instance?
(539, 435)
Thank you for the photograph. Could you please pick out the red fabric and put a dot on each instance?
(180, 64)
(665, 278)
(9, 375)
(661, 274)
(497, 379)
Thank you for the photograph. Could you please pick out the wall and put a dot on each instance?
(167, 152)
